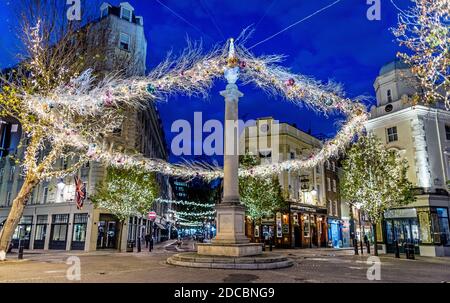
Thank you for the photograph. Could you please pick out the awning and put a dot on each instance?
(160, 226)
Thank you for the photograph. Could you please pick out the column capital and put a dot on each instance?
(231, 93)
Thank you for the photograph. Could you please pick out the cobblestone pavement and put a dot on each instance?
(310, 266)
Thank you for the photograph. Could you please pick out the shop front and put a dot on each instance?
(40, 232)
(22, 234)
(108, 232)
(58, 234)
(425, 227)
(335, 233)
(309, 226)
(80, 222)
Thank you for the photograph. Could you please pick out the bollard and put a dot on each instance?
(368, 247)
(270, 245)
(139, 246)
(397, 249)
(20, 256)
(355, 245)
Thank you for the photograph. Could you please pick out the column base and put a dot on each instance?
(229, 250)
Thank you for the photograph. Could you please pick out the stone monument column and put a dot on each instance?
(230, 239)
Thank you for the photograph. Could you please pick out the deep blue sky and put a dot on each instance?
(339, 43)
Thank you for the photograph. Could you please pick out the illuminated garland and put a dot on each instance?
(66, 110)
(192, 214)
(185, 203)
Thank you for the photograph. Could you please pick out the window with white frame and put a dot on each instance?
(330, 207)
(328, 184)
(125, 14)
(447, 132)
(327, 164)
(333, 166)
(336, 211)
(104, 12)
(292, 155)
(124, 41)
(45, 195)
(334, 185)
(392, 134)
(389, 95)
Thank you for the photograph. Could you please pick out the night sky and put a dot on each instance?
(339, 43)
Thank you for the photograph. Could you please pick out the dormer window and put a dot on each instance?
(389, 95)
(104, 12)
(124, 41)
(125, 14)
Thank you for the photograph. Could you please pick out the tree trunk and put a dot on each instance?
(15, 214)
(375, 248)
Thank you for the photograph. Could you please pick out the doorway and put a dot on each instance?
(108, 231)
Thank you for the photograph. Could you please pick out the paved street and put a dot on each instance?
(311, 266)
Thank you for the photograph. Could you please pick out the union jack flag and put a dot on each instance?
(80, 192)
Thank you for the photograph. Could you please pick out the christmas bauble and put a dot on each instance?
(328, 102)
(242, 64)
(290, 82)
(150, 89)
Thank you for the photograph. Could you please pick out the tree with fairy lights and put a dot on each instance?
(424, 29)
(262, 197)
(375, 180)
(126, 192)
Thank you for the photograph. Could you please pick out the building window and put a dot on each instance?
(334, 185)
(2, 172)
(441, 232)
(59, 231)
(447, 132)
(41, 231)
(104, 12)
(389, 95)
(79, 228)
(125, 14)
(45, 195)
(333, 166)
(327, 164)
(392, 134)
(328, 184)
(12, 170)
(8, 198)
(124, 41)
(292, 155)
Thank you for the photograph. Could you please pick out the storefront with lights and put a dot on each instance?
(303, 226)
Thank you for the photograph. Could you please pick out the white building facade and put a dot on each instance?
(421, 134)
